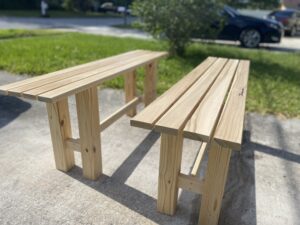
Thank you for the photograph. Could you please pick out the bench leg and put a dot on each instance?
(215, 180)
(60, 129)
(169, 169)
(150, 83)
(88, 123)
(130, 90)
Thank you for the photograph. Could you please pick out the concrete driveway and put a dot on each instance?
(263, 186)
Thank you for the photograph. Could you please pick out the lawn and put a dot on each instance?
(274, 85)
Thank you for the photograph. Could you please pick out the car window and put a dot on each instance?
(283, 14)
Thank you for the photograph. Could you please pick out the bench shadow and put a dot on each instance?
(241, 179)
(10, 108)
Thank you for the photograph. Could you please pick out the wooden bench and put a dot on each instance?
(54, 89)
(207, 105)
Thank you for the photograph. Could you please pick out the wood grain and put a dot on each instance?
(152, 113)
(61, 73)
(150, 82)
(199, 158)
(169, 169)
(203, 121)
(176, 117)
(130, 90)
(229, 130)
(190, 183)
(88, 124)
(60, 129)
(215, 180)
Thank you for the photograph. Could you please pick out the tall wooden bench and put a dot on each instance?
(82, 81)
(207, 105)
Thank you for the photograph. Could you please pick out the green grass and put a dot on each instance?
(274, 85)
(15, 33)
(54, 14)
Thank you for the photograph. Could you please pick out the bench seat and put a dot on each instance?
(57, 85)
(211, 97)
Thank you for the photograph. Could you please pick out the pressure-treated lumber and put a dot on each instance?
(150, 82)
(129, 106)
(169, 169)
(199, 159)
(190, 183)
(94, 80)
(152, 113)
(73, 144)
(35, 90)
(60, 129)
(61, 74)
(229, 130)
(88, 124)
(177, 116)
(130, 90)
(203, 121)
(215, 180)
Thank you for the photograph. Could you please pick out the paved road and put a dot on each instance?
(103, 26)
(263, 186)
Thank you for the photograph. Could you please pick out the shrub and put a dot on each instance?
(177, 20)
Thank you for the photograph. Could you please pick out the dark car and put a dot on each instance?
(250, 31)
(290, 18)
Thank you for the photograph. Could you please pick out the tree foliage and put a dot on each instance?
(254, 4)
(176, 20)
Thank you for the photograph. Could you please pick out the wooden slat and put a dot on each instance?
(229, 130)
(190, 183)
(150, 115)
(83, 84)
(199, 159)
(175, 118)
(203, 121)
(40, 80)
(33, 93)
(108, 121)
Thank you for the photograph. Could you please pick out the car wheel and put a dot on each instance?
(250, 38)
(293, 32)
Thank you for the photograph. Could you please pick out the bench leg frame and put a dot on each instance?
(88, 124)
(169, 170)
(215, 180)
(150, 83)
(60, 129)
(130, 90)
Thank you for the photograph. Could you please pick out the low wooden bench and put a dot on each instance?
(207, 105)
(55, 88)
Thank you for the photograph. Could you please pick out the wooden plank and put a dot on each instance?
(73, 144)
(203, 121)
(199, 159)
(169, 169)
(94, 80)
(215, 180)
(176, 117)
(4, 89)
(32, 90)
(190, 183)
(150, 82)
(130, 90)
(60, 129)
(152, 113)
(88, 124)
(111, 119)
(229, 130)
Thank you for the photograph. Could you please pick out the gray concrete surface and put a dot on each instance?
(263, 186)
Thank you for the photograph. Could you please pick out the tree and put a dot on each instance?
(176, 20)
(255, 4)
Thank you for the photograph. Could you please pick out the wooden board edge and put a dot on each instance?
(229, 144)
